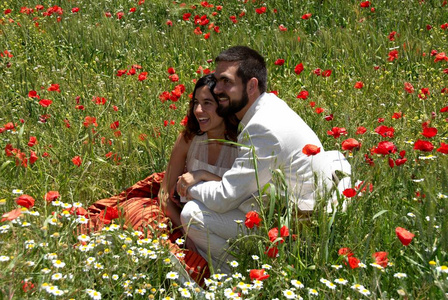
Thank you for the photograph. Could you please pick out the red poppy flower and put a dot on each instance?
(298, 69)
(142, 76)
(349, 193)
(33, 94)
(174, 78)
(404, 236)
(397, 115)
(317, 71)
(77, 161)
(326, 73)
(385, 131)
(350, 144)
(99, 100)
(132, 71)
(51, 196)
(441, 56)
(381, 258)
(45, 102)
(115, 125)
(271, 251)
(252, 219)
(443, 148)
(359, 85)
(365, 4)
(337, 132)
(392, 35)
(319, 110)
(345, 251)
(303, 95)
(273, 234)
(121, 72)
(260, 10)
(54, 87)
(90, 121)
(306, 16)
(408, 87)
(353, 262)
(385, 148)
(25, 201)
(258, 274)
(32, 141)
(33, 157)
(171, 71)
(393, 55)
(328, 117)
(429, 132)
(79, 211)
(424, 93)
(13, 214)
(422, 145)
(310, 149)
(279, 62)
(361, 130)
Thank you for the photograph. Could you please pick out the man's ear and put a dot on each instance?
(252, 86)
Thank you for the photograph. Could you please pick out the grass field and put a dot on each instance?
(89, 106)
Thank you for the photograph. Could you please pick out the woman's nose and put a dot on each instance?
(198, 108)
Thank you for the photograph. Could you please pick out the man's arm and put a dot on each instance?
(240, 182)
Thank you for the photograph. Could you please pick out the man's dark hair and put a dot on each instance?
(251, 64)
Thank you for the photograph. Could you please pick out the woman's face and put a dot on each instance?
(204, 108)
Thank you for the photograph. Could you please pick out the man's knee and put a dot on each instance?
(189, 213)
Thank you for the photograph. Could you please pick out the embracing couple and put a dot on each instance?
(221, 183)
(217, 180)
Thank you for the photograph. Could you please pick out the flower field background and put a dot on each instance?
(94, 93)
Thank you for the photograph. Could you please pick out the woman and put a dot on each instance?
(194, 153)
(203, 161)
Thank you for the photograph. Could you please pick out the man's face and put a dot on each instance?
(231, 91)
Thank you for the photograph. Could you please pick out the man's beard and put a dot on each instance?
(234, 105)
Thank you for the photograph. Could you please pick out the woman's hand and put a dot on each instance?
(186, 180)
(191, 178)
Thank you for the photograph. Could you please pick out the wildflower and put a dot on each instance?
(297, 283)
(184, 293)
(365, 292)
(289, 294)
(180, 241)
(341, 281)
(331, 285)
(255, 257)
(172, 275)
(58, 264)
(337, 267)
(115, 277)
(443, 269)
(313, 292)
(140, 291)
(83, 238)
(400, 275)
(234, 264)
(56, 276)
(266, 266)
(4, 258)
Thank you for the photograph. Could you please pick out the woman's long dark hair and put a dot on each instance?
(192, 127)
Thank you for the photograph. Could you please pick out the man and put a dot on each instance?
(277, 136)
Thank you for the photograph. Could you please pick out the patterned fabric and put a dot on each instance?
(141, 210)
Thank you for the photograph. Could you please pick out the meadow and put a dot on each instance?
(93, 95)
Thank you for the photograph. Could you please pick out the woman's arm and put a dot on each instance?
(191, 178)
(175, 168)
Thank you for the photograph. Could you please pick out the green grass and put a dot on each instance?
(83, 52)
